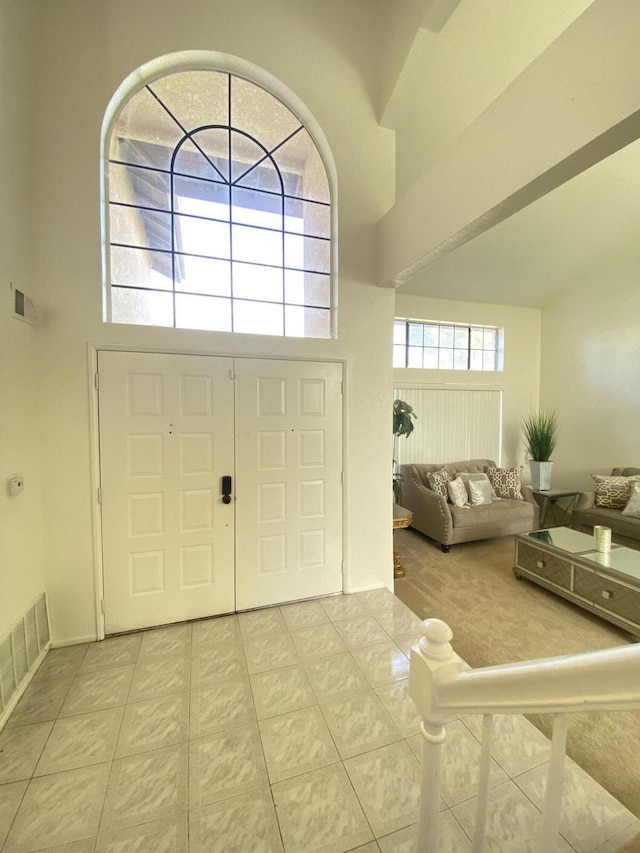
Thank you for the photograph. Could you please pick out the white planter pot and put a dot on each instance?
(540, 475)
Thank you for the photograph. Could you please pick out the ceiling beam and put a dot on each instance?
(576, 104)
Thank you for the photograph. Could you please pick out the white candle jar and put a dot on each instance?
(602, 538)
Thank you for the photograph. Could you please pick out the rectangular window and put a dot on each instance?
(447, 346)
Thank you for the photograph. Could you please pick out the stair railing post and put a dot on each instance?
(428, 659)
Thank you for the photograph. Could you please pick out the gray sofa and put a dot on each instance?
(438, 519)
(625, 530)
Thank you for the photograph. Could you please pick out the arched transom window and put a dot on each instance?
(219, 211)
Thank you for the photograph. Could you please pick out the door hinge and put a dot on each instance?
(102, 610)
(232, 373)
(97, 381)
(99, 495)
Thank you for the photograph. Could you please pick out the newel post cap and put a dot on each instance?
(435, 642)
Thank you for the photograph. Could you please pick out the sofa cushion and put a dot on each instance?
(438, 481)
(623, 525)
(506, 482)
(476, 478)
(458, 492)
(504, 511)
(633, 504)
(613, 492)
(481, 492)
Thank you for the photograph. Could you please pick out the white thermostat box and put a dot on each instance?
(23, 307)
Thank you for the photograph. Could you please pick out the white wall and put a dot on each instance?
(520, 379)
(326, 54)
(590, 370)
(21, 523)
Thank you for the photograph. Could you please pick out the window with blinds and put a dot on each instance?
(452, 424)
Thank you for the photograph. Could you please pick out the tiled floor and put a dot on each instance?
(285, 729)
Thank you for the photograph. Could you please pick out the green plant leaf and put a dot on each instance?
(541, 435)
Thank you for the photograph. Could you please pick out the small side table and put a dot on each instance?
(401, 518)
(548, 499)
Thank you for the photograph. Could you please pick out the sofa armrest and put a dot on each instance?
(431, 513)
(586, 500)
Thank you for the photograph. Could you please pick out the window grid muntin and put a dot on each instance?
(231, 183)
(444, 347)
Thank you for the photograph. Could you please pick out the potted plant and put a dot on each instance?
(541, 436)
(403, 417)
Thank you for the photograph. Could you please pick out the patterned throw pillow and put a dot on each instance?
(633, 505)
(458, 492)
(438, 481)
(613, 492)
(506, 482)
(481, 492)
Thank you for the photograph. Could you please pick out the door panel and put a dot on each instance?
(289, 481)
(166, 439)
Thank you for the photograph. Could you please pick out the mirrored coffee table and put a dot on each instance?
(565, 561)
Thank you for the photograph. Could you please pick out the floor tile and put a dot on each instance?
(359, 723)
(218, 631)
(400, 706)
(270, 652)
(167, 835)
(96, 691)
(80, 741)
(154, 724)
(10, 798)
(20, 749)
(320, 641)
(590, 815)
(513, 822)
(87, 845)
(146, 787)
(377, 600)
(378, 777)
(318, 811)
(361, 631)
(382, 663)
(296, 743)
(226, 764)
(451, 837)
(40, 702)
(172, 640)
(221, 706)
(399, 621)
(303, 614)
(342, 607)
(405, 642)
(261, 623)
(244, 823)
(160, 676)
(112, 652)
(629, 836)
(460, 765)
(517, 745)
(61, 663)
(58, 809)
(228, 662)
(335, 676)
(281, 690)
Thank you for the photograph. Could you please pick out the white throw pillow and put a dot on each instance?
(633, 504)
(473, 478)
(481, 492)
(458, 492)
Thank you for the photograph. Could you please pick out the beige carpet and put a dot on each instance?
(498, 619)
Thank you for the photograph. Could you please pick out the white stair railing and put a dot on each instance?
(440, 684)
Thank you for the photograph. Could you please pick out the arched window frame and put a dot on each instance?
(196, 60)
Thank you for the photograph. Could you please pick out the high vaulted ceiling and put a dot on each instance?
(449, 79)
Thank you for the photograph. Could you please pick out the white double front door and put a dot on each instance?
(172, 429)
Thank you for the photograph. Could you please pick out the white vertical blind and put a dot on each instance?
(452, 424)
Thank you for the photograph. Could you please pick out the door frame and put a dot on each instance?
(93, 351)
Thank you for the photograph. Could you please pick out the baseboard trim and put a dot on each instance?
(73, 641)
